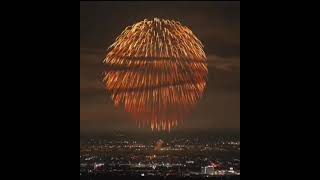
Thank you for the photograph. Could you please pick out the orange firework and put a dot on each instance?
(157, 71)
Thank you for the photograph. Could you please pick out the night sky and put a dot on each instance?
(216, 24)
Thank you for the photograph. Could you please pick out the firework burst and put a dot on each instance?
(157, 71)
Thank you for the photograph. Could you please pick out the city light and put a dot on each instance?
(141, 158)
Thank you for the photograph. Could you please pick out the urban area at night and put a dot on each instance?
(137, 155)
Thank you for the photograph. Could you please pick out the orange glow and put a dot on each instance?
(156, 71)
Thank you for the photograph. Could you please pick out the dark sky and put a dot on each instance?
(216, 24)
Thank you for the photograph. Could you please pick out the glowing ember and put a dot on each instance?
(157, 71)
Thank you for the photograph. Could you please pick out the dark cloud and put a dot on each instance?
(217, 25)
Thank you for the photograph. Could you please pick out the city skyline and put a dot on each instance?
(135, 155)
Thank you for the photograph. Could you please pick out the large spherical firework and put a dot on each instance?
(157, 71)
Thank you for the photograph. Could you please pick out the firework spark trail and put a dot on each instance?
(156, 70)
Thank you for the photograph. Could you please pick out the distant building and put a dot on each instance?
(207, 170)
(231, 170)
(98, 166)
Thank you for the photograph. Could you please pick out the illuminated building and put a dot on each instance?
(207, 170)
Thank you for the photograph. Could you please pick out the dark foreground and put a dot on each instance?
(102, 177)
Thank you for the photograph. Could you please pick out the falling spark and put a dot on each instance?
(156, 71)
